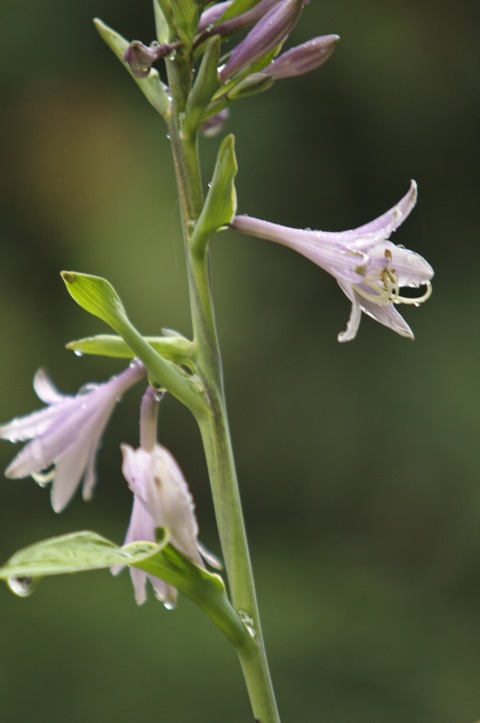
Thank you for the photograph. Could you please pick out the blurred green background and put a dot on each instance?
(359, 464)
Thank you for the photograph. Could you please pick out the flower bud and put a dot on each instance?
(211, 16)
(271, 30)
(303, 58)
(215, 123)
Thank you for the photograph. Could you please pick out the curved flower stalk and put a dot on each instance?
(369, 268)
(161, 499)
(66, 435)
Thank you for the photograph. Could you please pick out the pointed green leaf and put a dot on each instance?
(151, 86)
(161, 24)
(185, 13)
(76, 552)
(84, 551)
(221, 202)
(205, 86)
(174, 348)
(97, 296)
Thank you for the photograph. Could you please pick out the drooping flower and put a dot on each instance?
(140, 57)
(369, 268)
(161, 498)
(65, 435)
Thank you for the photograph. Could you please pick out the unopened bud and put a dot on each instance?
(208, 19)
(303, 58)
(271, 30)
(215, 123)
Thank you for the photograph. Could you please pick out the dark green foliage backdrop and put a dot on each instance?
(359, 464)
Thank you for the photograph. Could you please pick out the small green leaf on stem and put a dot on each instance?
(97, 296)
(221, 202)
(161, 25)
(205, 86)
(86, 550)
(185, 13)
(76, 552)
(173, 347)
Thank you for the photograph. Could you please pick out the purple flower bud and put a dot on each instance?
(141, 58)
(212, 15)
(271, 30)
(369, 268)
(66, 435)
(215, 123)
(303, 58)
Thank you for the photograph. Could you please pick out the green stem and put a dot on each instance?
(213, 421)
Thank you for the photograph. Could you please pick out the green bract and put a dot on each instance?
(173, 347)
(205, 86)
(151, 86)
(97, 296)
(221, 202)
(185, 14)
(76, 552)
(86, 550)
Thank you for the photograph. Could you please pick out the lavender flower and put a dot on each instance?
(303, 58)
(271, 30)
(369, 268)
(161, 499)
(65, 436)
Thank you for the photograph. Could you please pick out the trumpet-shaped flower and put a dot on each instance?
(369, 268)
(65, 435)
(161, 499)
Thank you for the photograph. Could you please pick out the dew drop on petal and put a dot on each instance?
(87, 388)
(44, 476)
(22, 586)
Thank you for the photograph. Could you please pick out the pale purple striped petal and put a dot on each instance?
(161, 499)
(369, 268)
(66, 434)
